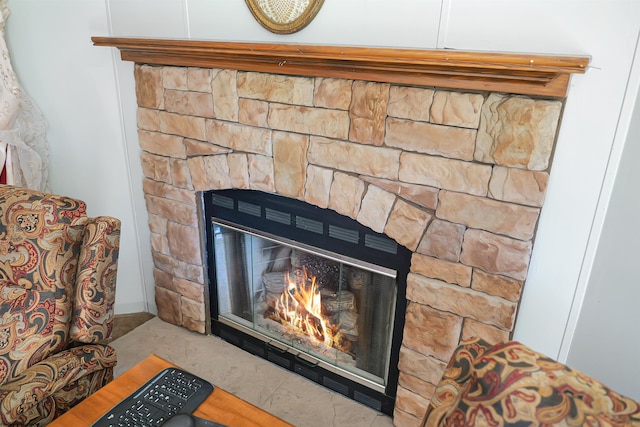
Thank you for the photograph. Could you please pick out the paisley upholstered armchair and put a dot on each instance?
(509, 384)
(57, 290)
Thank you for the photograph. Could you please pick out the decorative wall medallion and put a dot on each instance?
(284, 16)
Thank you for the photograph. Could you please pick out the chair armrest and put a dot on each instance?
(27, 389)
(92, 319)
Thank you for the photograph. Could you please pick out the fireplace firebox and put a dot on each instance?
(308, 289)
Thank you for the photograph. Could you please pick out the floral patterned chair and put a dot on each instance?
(510, 384)
(57, 290)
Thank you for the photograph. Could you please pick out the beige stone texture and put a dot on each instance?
(200, 148)
(192, 290)
(428, 368)
(509, 219)
(447, 271)
(375, 208)
(518, 186)
(346, 194)
(156, 167)
(158, 224)
(332, 93)
(168, 304)
(194, 273)
(448, 174)
(416, 385)
(199, 79)
(186, 126)
(261, 173)
(172, 210)
(474, 329)
(184, 242)
(161, 144)
(419, 194)
(443, 240)
(167, 191)
(411, 403)
(496, 254)
(149, 91)
(368, 111)
(180, 175)
(174, 78)
(357, 158)
(163, 279)
(499, 286)
(192, 309)
(239, 137)
(407, 223)
(160, 244)
(148, 119)
(194, 325)
(198, 174)
(409, 103)
(290, 163)
(403, 419)
(253, 112)
(517, 131)
(276, 88)
(446, 141)
(456, 109)
(464, 302)
(431, 332)
(318, 186)
(216, 170)
(189, 103)
(238, 170)
(309, 120)
(225, 95)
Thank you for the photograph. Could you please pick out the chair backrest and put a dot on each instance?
(41, 245)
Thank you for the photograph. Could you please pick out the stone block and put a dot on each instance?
(403, 419)
(261, 173)
(464, 302)
(411, 403)
(184, 242)
(416, 385)
(450, 272)
(180, 175)
(149, 91)
(518, 186)
(194, 325)
(199, 79)
(419, 194)
(200, 148)
(431, 332)
(276, 88)
(168, 304)
(517, 131)
(160, 244)
(253, 112)
(474, 329)
(357, 158)
(375, 208)
(332, 93)
(456, 109)
(407, 223)
(192, 309)
(318, 186)
(290, 163)
(409, 103)
(185, 126)
(346, 194)
(148, 119)
(162, 144)
(174, 78)
(190, 103)
(157, 168)
(161, 189)
(443, 240)
(163, 279)
(496, 254)
(158, 224)
(499, 286)
(193, 291)
(368, 111)
(216, 174)
(509, 219)
(239, 137)
(225, 95)
(446, 141)
(238, 170)
(172, 210)
(309, 120)
(416, 364)
(448, 174)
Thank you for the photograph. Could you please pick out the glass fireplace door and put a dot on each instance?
(337, 310)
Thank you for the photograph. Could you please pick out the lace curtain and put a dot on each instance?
(24, 151)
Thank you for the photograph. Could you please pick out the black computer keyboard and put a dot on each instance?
(170, 392)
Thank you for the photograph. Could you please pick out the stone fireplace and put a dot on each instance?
(449, 158)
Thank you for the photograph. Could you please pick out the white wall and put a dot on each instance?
(43, 37)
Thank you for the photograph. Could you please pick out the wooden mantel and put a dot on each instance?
(530, 74)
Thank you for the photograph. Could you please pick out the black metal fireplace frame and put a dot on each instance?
(324, 229)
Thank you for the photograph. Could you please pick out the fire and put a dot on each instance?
(300, 308)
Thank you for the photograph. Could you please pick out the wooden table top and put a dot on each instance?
(221, 406)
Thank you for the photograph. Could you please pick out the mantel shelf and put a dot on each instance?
(530, 74)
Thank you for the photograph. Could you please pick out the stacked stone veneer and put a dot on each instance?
(458, 178)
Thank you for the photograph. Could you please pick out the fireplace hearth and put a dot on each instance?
(308, 289)
(446, 153)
